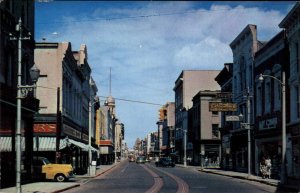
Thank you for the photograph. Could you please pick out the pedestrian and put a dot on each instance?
(206, 162)
(268, 167)
(263, 167)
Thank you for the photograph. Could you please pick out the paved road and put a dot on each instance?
(137, 178)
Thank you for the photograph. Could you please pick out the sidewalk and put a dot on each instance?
(240, 175)
(55, 187)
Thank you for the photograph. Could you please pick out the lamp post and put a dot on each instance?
(91, 103)
(22, 91)
(184, 145)
(282, 83)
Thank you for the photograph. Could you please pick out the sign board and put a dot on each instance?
(218, 106)
(227, 95)
(232, 118)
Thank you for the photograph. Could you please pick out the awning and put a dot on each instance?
(47, 143)
(83, 146)
(5, 144)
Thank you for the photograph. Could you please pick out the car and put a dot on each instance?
(131, 159)
(140, 160)
(165, 162)
(44, 169)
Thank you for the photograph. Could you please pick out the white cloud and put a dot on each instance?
(148, 53)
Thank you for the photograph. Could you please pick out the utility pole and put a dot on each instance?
(22, 91)
(249, 133)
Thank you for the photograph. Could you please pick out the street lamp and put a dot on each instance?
(282, 83)
(184, 146)
(91, 103)
(22, 91)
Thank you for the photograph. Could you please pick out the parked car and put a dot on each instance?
(140, 160)
(165, 162)
(44, 169)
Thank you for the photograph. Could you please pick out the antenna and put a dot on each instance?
(110, 81)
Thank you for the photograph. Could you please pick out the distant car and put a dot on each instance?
(131, 159)
(42, 168)
(165, 162)
(140, 160)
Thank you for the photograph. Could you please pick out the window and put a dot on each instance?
(215, 131)
(267, 97)
(297, 56)
(215, 112)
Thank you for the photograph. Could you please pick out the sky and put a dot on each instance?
(147, 44)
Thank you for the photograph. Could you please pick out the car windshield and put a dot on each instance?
(46, 161)
(141, 158)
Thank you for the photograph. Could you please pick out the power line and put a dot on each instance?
(128, 100)
(145, 16)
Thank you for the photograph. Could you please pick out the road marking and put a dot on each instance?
(158, 182)
(183, 187)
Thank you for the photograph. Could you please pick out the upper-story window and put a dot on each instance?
(267, 97)
(243, 76)
(297, 56)
(258, 100)
(215, 131)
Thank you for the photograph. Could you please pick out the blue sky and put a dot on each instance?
(148, 43)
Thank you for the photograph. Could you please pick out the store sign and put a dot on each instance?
(218, 106)
(270, 123)
(232, 118)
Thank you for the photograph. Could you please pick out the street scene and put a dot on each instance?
(149, 96)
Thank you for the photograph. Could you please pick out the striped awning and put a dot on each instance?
(5, 144)
(47, 143)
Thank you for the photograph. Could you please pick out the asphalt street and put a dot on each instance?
(129, 177)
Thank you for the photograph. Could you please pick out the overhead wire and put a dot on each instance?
(145, 16)
(120, 99)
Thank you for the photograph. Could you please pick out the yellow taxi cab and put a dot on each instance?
(43, 168)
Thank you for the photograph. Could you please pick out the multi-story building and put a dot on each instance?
(204, 136)
(187, 85)
(61, 129)
(291, 24)
(167, 119)
(224, 79)
(119, 136)
(105, 141)
(271, 60)
(244, 46)
(10, 13)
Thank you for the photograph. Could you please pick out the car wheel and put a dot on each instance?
(60, 178)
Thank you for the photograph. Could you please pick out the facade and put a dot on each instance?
(224, 79)
(243, 47)
(62, 125)
(204, 140)
(167, 118)
(10, 13)
(187, 85)
(119, 138)
(291, 24)
(272, 59)
(106, 136)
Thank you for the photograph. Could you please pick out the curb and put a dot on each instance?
(64, 189)
(77, 185)
(291, 188)
(240, 177)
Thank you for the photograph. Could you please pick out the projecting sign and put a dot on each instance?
(232, 118)
(218, 106)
